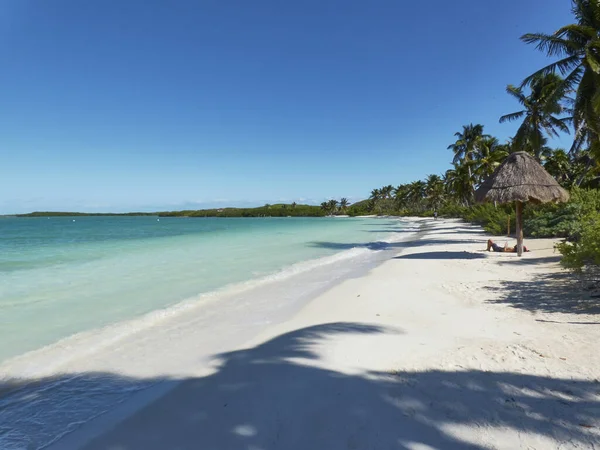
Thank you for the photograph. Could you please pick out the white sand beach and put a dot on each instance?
(444, 346)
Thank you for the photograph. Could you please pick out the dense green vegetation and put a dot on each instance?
(563, 97)
(277, 210)
(329, 208)
(64, 214)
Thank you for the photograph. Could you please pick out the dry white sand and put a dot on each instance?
(445, 346)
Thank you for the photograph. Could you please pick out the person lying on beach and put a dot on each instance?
(493, 247)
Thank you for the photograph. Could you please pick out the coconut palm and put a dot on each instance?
(332, 206)
(466, 149)
(344, 204)
(491, 154)
(400, 196)
(375, 195)
(540, 113)
(584, 168)
(434, 191)
(294, 205)
(458, 183)
(558, 164)
(416, 193)
(386, 191)
(576, 45)
(466, 146)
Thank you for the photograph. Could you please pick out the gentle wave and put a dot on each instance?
(52, 357)
(40, 409)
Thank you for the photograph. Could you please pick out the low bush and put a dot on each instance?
(585, 250)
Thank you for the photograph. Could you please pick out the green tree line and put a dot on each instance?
(329, 208)
(561, 98)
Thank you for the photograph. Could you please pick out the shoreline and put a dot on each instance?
(150, 359)
(178, 273)
(437, 310)
(435, 347)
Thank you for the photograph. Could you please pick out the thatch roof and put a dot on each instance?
(521, 178)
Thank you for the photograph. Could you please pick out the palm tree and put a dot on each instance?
(344, 204)
(466, 146)
(332, 206)
(466, 149)
(558, 164)
(434, 191)
(294, 205)
(401, 196)
(540, 112)
(325, 207)
(491, 154)
(576, 45)
(458, 183)
(386, 191)
(583, 168)
(416, 194)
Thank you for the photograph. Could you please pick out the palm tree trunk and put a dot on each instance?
(519, 228)
(471, 185)
(588, 166)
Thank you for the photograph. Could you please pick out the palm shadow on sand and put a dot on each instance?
(276, 396)
(554, 292)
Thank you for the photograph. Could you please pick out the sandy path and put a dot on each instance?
(444, 346)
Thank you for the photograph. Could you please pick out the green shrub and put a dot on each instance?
(586, 249)
(562, 220)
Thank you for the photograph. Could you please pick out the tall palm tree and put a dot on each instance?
(344, 204)
(576, 45)
(466, 149)
(434, 191)
(540, 112)
(374, 199)
(375, 194)
(558, 164)
(466, 146)
(584, 167)
(458, 184)
(386, 191)
(491, 154)
(416, 193)
(400, 195)
(332, 205)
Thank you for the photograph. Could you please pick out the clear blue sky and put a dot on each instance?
(116, 105)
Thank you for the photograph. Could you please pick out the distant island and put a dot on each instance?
(330, 208)
(71, 214)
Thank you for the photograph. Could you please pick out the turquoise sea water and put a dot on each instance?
(85, 301)
(61, 276)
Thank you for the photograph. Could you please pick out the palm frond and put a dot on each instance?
(564, 66)
(550, 44)
(576, 34)
(517, 93)
(559, 124)
(592, 61)
(582, 104)
(511, 117)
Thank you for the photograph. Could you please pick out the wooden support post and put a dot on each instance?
(519, 228)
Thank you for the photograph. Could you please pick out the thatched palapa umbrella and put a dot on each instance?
(520, 178)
